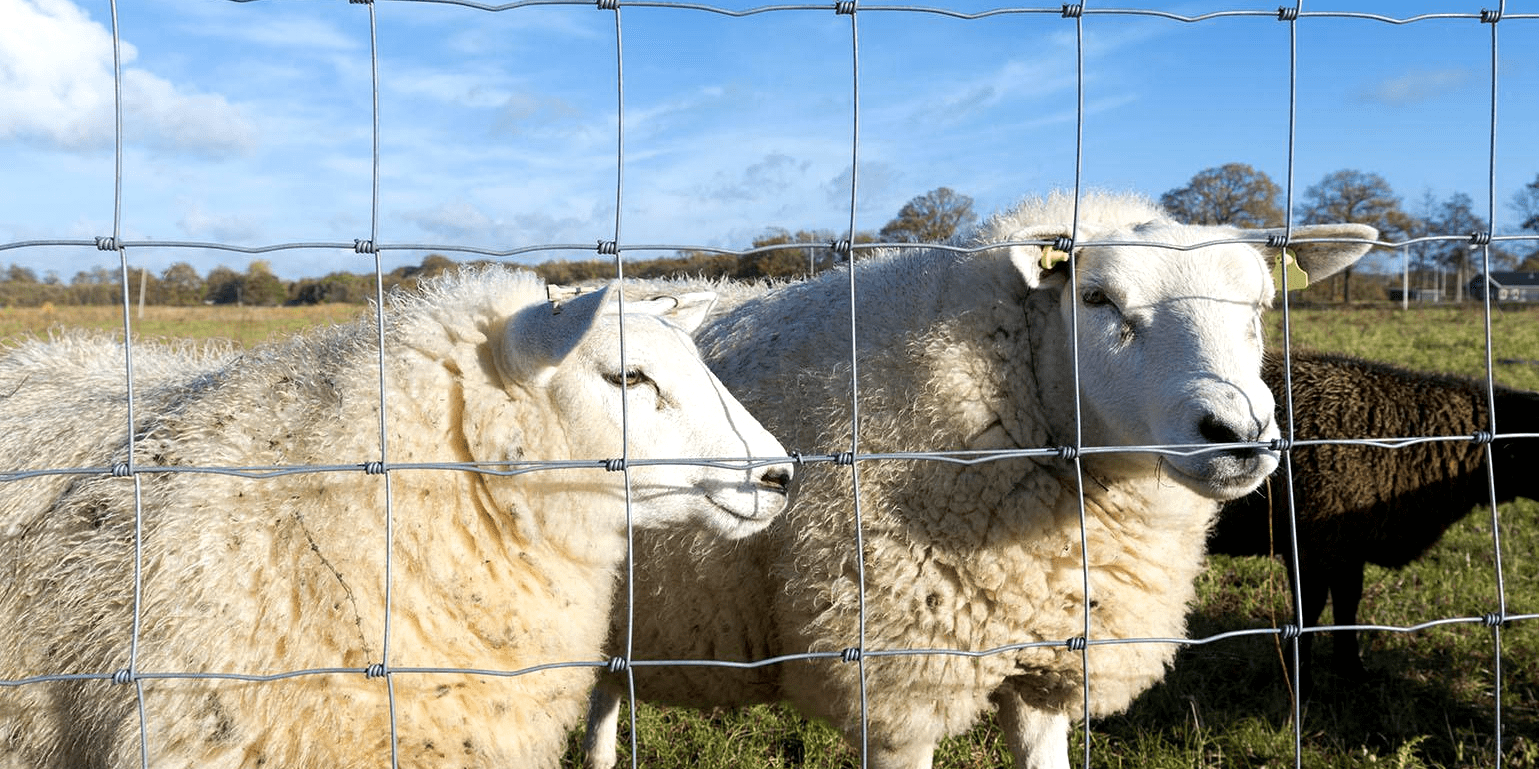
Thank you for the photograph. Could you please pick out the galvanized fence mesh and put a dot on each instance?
(613, 245)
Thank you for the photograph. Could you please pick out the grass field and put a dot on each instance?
(1428, 701)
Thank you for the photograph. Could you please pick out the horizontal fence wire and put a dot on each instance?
(613, 245)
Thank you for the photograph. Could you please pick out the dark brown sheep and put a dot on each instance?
(1364, 504)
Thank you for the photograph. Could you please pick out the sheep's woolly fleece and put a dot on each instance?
(257, 576)
(956, 352)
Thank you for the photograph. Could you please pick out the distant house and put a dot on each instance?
(1507, 286)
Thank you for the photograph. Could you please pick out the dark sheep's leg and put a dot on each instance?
(1346, 594)
(1312, 594)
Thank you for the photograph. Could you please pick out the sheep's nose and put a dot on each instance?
(775, 478)
(1216, 430)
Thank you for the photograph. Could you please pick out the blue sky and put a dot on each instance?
(250, 123)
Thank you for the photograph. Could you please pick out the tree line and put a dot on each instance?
(1234, 194)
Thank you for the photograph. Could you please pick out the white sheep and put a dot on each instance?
(491, 571)
(971, 352)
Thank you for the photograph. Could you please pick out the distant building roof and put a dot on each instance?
(1513, 279)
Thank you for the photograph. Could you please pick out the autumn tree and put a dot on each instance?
(181, 285)
(1233, 193)
(933, 217)
(1359, 197)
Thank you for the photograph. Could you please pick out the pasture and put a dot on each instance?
(1428, 701)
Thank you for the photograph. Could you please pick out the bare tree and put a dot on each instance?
(1233, 193)
(1360, 197)
(1526, 202)
(930, 218)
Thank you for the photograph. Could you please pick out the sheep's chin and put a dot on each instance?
(1223, 478)
(738, 514)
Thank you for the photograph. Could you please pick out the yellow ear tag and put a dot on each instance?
(1052, 257)
(1297, 278)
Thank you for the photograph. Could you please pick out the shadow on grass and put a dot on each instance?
(1427, 701)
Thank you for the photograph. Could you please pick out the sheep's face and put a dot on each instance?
(1170, 350)
(668, 406)
(1170, 354)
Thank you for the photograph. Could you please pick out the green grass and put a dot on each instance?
(1429, 698)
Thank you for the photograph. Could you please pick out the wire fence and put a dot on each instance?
(614, 245)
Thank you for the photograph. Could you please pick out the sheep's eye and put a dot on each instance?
(628, 378)
(1094, 297)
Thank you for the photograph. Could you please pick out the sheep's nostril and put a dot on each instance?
(1216, 431)
(775, 479)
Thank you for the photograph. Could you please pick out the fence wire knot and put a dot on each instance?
(1063, 243)
(845, 7)
(124, 676)
(1480, 238)
(1290, 632)
(608, 5)
(374, 468)
(361, 246)
(107, 244)
(1482, 437)
(1494, 619)
(1077, 643)
(614, 465)
(1285, 13)
(608, 247)
(1068, 453)
(852, 654)
(1073, 10)
(841, 248)
(796, 457)
(618, 665)
(844, 458)
(1489, 16)
(121, 470)
(1280, 444)
(1277, 240)
(377, 670)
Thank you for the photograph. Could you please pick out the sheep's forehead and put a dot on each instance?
(1153, 274)
(649, 340)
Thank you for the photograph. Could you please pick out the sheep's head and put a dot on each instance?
(1169, 340)
(663, 400)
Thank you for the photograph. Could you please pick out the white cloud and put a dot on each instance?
(56, 82)
(1417, 87)
(220, 228)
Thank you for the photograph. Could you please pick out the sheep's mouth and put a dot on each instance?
(1225, 477)
(762, 512)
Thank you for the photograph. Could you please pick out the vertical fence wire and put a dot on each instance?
(1076, 14)
(1491, 416)
(858, 653)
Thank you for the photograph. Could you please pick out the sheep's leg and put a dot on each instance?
(1038, 739)
(1346, 595)
(603, 730)
(1312, 595)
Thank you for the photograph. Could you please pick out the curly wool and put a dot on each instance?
(954, 354)
(265, 576)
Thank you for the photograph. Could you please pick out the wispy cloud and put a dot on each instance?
(1418, 87)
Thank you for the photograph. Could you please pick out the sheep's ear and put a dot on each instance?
(537, 338)
(688, 309)
(1037, 263)
(1319, 260)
